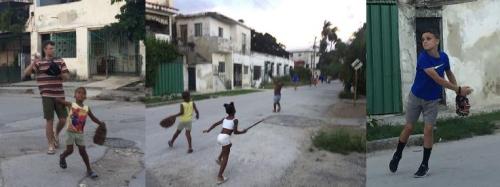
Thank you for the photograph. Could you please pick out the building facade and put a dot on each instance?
(76, 28)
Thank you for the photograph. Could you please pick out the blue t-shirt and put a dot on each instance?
(424, 86)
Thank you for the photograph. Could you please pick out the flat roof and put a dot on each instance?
(214, 15)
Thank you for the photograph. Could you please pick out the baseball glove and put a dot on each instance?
(462, 105)
(167, 122)
(100, 135)
(54, 69)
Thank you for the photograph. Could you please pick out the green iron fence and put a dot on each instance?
(169, 78)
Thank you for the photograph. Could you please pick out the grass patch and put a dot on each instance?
(341, 140)
(446, 129)
(197, 97)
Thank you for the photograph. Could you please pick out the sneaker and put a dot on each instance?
(393, 165)
(422, 171)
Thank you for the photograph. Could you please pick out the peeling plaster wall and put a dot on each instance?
(407, 48)
(471, 34)
(204, 78)
(76, 17)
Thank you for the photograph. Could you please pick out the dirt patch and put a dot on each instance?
(346, 109)
(315, 167)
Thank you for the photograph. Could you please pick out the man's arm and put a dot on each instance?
(447, 84)
(64, 102)
(94, 119)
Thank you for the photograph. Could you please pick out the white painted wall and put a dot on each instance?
(304, 55)
(471, 34)
(407, 48)
(76, 17)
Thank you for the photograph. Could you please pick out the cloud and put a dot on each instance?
(294, 23)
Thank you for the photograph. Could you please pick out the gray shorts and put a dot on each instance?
(416, 105)
(277, 98)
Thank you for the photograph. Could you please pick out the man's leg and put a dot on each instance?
(48, 114)
(49, 132)
(62, 114)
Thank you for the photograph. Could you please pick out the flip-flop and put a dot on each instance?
(92, 175)
(222, 181)
(62, 163)
(190, 151)
(170, 144)
(51, 151)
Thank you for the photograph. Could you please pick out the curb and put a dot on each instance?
(391, 143)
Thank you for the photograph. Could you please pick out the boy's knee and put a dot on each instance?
(409, 127)
(428, 129)
(82, 150)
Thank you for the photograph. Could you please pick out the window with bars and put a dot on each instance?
(221, 32)
(245, 70)
(222, 67)
(65, 43)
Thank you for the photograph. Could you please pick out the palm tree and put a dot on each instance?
(332, 36)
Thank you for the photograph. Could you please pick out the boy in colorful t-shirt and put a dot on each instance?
(78, 113)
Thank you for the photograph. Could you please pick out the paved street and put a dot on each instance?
(468, 162)
(24, 162)
(265, 156)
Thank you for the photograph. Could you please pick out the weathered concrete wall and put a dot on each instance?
(76, 17)
(407, 48)
(471, 34)
(204, 78)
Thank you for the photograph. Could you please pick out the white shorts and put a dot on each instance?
(223, 139)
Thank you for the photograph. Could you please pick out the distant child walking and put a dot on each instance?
(295, 80)
(186, 117)
(78, 113)
(229, 125)
(277, 95)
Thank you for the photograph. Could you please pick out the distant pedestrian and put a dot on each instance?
(229, 125)
(277, 95)
(295, 80)
(186, 118)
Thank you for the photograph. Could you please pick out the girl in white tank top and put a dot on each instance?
(229, 125)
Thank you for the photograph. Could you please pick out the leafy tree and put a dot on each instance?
(131, 20)
(157, 51)
(266, 43)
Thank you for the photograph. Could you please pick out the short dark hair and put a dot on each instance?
(230, 109)
(81, 89)
(48, 42)
(186, 96)
(432, 31)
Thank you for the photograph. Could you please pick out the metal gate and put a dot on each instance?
(383, 82)
(169, 78)
(113, 55)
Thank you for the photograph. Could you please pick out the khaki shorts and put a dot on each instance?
(50, 105)
(75, 138)
(184, 125)
(416, 106)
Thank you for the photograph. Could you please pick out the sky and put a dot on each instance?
(293, 23)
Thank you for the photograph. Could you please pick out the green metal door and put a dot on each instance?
(169, 78)
(383, 70)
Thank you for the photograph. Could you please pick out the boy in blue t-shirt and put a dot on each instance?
(425, 96)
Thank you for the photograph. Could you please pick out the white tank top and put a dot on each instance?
(228, 124)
